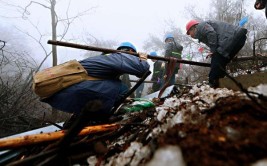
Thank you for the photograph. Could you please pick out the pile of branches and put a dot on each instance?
(105, 141)
(75, 147)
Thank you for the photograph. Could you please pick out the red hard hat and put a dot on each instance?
(190, 24)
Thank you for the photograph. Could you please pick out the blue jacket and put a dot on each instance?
(107, 67)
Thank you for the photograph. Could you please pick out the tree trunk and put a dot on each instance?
(54, 47)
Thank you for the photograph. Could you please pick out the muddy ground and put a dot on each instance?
(211, 127)
(233, 133)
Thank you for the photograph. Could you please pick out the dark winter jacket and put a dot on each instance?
(174, 49)
(219, 36)
(107, 67)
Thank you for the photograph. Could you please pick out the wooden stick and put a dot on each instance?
(105, 50)
(7, 143)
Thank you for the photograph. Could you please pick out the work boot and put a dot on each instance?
(69, 122)
(90, 115)
(214, 83)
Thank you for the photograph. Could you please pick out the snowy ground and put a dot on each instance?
(175, 110)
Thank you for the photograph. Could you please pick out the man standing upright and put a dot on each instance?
(173, 49)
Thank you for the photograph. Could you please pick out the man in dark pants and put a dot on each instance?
(223, 39)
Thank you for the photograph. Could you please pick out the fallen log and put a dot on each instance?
(7, 143)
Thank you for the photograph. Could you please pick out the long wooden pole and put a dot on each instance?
(105, 50)
(7, 143)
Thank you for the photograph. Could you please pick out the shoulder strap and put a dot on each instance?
(91, 78)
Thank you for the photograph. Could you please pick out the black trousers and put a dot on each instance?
(219, 62)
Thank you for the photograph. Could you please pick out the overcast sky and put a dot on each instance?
(118, 20)
(133, 21)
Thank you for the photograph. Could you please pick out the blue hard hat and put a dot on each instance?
(127, 45)
(153, 53)
(168, 36)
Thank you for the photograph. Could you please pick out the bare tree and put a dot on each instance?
(55, 20)
(16, 98)
(40, 37)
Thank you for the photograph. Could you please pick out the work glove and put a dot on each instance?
(209, 55)
(142, 56)
(165, 76)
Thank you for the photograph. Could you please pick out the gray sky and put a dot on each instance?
(134, 20)
(118, 20)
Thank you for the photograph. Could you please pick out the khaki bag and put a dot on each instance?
(51, 80)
